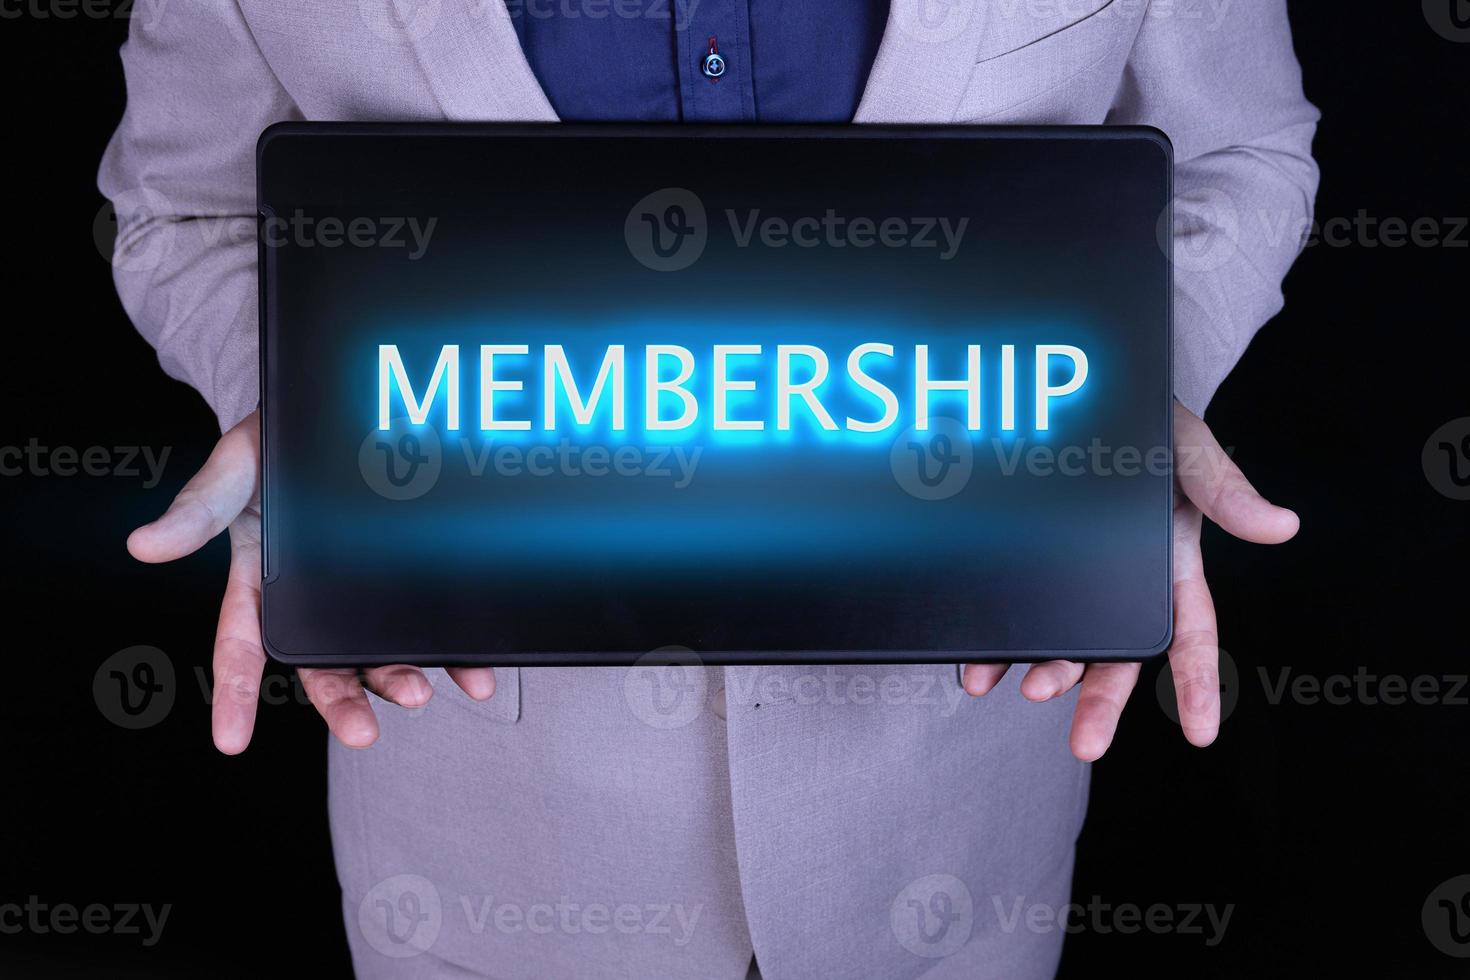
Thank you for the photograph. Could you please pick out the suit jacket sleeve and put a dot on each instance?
(180, 171)
(1227, 89)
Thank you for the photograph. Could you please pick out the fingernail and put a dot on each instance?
(360, 735)
(421, 691)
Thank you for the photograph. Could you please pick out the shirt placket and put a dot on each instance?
(723, 25)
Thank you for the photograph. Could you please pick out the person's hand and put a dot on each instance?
(226, 494)
(1208, 484)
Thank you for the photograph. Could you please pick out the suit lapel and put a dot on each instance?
(475, 65)
(924, 61)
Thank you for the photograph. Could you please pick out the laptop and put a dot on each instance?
(556, 395)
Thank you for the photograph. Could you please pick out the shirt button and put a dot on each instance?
(717, 704)
(714, 66)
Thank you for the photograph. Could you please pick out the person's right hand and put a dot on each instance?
(226, 494)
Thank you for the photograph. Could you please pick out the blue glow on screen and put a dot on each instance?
(807, 495)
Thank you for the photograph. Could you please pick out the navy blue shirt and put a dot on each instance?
(645, 60)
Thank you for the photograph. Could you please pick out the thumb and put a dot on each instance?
(1214, 484)
(209, 502)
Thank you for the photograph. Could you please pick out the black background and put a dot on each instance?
(1325, 825)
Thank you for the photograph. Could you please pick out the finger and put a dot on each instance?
(1053, 678)
(1194, 656)
(341, 701)
(403, 685)
(477, 682)
(1213, 483)
(1105, 690)
(239, 660)
(980, 679)
(208, 502)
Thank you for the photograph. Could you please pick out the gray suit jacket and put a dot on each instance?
(662, 822)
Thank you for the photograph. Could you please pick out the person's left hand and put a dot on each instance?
(1207, 484)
